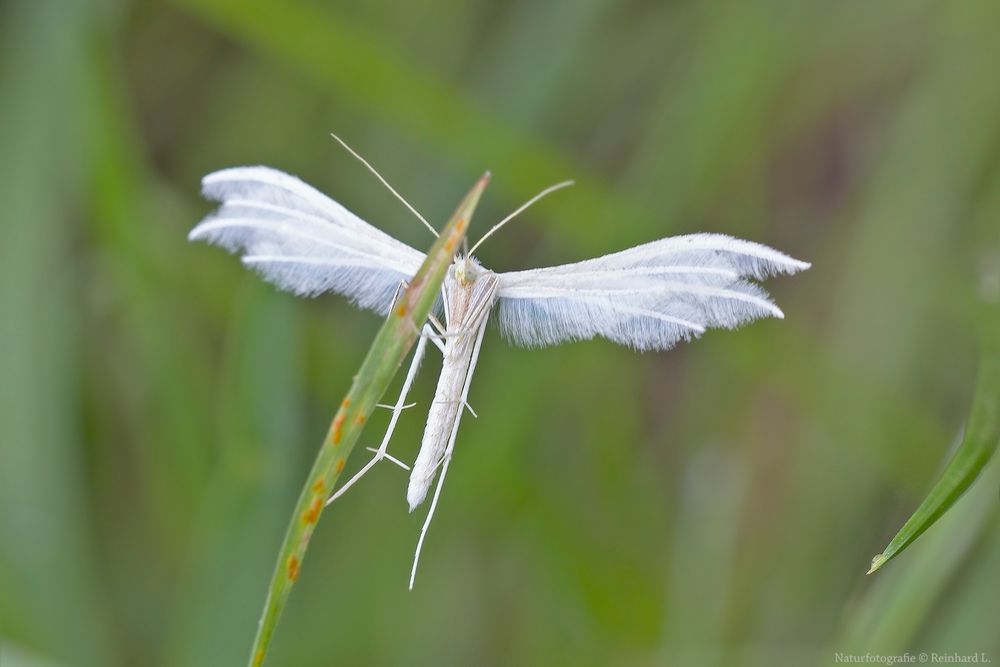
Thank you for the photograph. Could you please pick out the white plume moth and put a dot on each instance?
(648, 297)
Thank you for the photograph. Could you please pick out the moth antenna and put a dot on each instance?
(546, 191)
(384, 182)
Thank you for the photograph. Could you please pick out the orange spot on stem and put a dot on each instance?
(319, 486)
(258, 658)
(401, 311)
(359, 420)
(312, 514)
(338, 422)
(293, 568)
(340, 465)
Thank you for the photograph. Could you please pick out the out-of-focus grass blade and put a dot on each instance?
(54, 603)
(308, 36)
(392, 343)
(982, 434)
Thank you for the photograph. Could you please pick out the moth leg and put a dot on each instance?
(395, 295)
(430, 515)
(437, 339)
(427, 331)
(465, 404)
(398, 408)
(442, 330)
(437, 323)
(446, 459)
(393, 407)
(389, 457)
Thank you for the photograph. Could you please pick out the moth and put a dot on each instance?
(648, 297)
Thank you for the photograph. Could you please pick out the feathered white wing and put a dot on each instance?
(301, 240)
(647, 297)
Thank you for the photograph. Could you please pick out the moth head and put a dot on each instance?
(465, 270)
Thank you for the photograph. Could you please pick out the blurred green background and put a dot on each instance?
(716, 504)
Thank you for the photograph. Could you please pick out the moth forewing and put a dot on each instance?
(468, 300)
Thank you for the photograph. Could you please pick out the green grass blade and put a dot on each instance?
(391, 345)
(897, 612)
(392, 87)
(982, 434)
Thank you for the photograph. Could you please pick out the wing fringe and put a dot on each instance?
(648, 297)
(301, 240)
